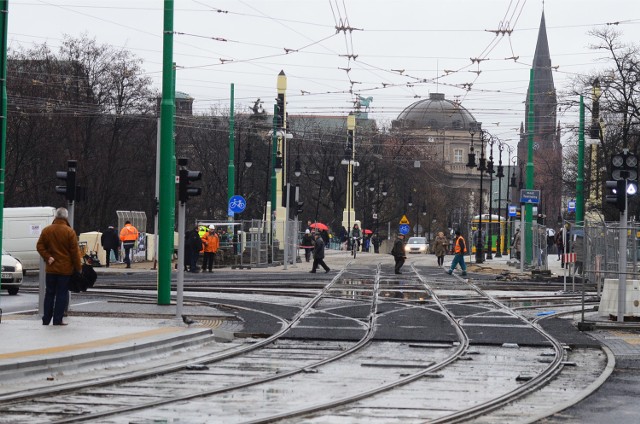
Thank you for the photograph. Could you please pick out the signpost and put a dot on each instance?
(404, 227)
(571, 206)
(530, 196)
(513, 210)
(237, 204)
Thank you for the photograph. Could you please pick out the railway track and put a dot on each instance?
(368, 346)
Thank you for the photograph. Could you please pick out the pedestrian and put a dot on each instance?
(211, 244)
(307, 244)
(58, 247)
(459, 249)
(376, 243)
(193, 245)
(110, 242)
(479, 240)
(128, 236)
(516, 246)
(318, 254)
(398, 253)
(440, 247)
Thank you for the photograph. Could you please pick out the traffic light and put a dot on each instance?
(299, 207)
(186, 177)
(68, 190)
(624, 166)
(617, 194)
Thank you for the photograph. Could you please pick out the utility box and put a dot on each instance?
(609, 299)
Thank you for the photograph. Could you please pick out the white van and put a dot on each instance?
(21, 228)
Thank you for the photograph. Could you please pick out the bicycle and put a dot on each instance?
(355, 243)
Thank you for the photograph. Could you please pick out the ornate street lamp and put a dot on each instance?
(473, 127)
(500, 174)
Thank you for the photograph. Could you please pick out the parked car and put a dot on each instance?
(11, 273)
(417, 245)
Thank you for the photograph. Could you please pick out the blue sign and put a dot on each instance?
(571, 207)
(529, 196)
(237, 204)
(513, 211)
(404, 229)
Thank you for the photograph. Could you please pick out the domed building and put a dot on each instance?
(440, 131)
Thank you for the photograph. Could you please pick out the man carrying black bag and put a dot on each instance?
(58, 246)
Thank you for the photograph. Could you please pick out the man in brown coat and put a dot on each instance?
(58, 246)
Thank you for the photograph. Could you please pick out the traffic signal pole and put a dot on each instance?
(622, 262)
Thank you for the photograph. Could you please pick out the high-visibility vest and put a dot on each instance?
(458, 249)
(129, 233)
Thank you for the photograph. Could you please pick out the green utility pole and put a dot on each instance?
(580, 178)
(167, 162)
(4, 21)
(528, 245)
(231, 173)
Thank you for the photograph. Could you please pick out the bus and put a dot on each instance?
(498, 232)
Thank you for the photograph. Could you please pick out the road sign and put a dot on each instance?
(529, 196)
(571, 207)
(404, 220)
(375, 216)
(237, 204)
(404, 229)
(513, 210)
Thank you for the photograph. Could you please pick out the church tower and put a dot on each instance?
(547, 150)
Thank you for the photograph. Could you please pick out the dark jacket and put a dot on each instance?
(193, 242)
(398, 248)
(110, 239)
(59, 241)
(307, 241)
(318, 249)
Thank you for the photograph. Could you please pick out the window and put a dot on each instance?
(457, 155)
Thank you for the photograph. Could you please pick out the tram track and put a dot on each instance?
(281, 364)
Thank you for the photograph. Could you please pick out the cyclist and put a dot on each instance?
(355, 235)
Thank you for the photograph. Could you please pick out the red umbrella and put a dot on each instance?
(368, 231)
(319, 226)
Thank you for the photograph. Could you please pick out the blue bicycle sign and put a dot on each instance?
(237, 204)
(404, 229)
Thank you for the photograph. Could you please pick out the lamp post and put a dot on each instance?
(350, 161)
(473, 127)
(512, 185)
(500, 174)
(490, 173)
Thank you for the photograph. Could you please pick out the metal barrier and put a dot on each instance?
(601, 251)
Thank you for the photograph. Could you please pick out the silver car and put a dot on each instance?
(417, 245)
(11, 273)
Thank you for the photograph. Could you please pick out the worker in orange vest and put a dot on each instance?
(459, 249)
(128, 236)
(211, 243)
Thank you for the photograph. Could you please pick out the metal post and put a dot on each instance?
(4, 22)
(622, 265)
(580, 170)
(286, 221)
(522, 241)
(528, 235)
(231, 168)
(167, 166)
(490, 232)
(181, 246)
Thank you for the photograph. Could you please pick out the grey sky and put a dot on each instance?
(400, 50)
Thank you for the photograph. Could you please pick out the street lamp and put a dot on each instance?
(473, 127)
(500, 174)
(490, 172)
(332, 174)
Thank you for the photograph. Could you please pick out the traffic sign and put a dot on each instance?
(513, 210)
(529, 196)
(571, 207)
(404, 220)
(237, 204)
(404, 229)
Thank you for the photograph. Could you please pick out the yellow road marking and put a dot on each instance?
(91, 344)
